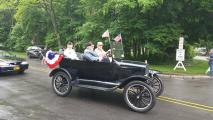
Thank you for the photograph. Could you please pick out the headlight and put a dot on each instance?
(147, 69)
(24, 63)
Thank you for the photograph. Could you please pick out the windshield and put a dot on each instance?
(34, 48)
(117, 50)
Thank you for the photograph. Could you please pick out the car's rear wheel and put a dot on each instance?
(156, 84)
(61, 83)
(139, 96)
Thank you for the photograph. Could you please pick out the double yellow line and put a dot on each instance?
(186, 103)
(163, 98)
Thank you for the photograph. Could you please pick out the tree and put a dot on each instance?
(150, 28)
(7, 11)
(48, 5)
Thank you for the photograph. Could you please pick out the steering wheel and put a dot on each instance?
(108, 54)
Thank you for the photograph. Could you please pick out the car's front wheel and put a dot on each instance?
(139, 96)
(61, 83)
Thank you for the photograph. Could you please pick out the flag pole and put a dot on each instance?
(110, 46)
(122, 44)
(106, 34)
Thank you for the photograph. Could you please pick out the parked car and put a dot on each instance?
(10, 63)
(202, 51)
(140, 85)
(35, 51)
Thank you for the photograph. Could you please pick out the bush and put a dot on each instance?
(189, 53)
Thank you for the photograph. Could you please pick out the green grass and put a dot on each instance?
(195, 67)
(19, 54)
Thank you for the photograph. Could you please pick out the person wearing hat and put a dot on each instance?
(100, 51)
(69, 52)
(211, 62)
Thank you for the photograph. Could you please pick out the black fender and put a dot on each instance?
(70, 72)
(133, 78)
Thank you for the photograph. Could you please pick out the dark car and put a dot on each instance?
(10, 63)
(35, 51)
(140, 85)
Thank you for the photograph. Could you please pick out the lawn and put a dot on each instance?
(19, 54)
(195, 67)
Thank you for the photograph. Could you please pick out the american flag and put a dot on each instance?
(105, 34)
(118, 38)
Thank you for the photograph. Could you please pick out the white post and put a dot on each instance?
(180, 55)
(208, 70)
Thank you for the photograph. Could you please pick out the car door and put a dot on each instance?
(101, 71)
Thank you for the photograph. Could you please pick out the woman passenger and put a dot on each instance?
(69, 52)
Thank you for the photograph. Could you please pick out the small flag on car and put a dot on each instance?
(105, 34)
(118, 38)
(52, 59)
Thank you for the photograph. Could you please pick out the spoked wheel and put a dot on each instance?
(156, 84)
(139, 96)
(61, 84)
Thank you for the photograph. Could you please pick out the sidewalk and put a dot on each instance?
(185, 76)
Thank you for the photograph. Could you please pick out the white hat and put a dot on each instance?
(100, 43)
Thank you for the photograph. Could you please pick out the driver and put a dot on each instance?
(101, 53)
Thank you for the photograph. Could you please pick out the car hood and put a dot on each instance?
(4, 62)
(137, 64)
(132, 63)
(12, 59)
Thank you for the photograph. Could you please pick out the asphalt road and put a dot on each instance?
(30, 97)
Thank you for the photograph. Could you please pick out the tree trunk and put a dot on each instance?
(134, 49)
(12, 20)
(53, 19)
(50, 10)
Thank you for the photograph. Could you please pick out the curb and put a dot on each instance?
(185, 76)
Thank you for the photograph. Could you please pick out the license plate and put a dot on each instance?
(16, 68)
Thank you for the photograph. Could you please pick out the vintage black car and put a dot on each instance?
(10, 63)
(140, 85)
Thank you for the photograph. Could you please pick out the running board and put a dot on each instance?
(96, 87)
(95, 84)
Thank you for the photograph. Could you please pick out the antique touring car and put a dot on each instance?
(140, 85)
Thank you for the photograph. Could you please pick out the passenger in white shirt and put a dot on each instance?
(70, 52)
